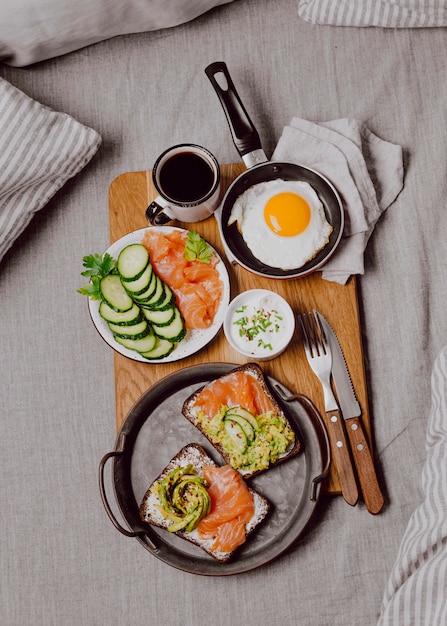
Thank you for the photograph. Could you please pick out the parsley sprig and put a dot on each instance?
(97, 266)
(196, 248)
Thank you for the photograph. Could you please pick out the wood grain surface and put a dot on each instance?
(129, 196)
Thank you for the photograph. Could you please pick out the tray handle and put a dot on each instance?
(310, 407)
(105, 501)
(307, 403)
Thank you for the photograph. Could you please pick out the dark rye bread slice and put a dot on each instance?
(195, 454)
(190, 410)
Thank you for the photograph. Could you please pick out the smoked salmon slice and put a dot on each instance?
(197, 286)
(237, 388)
(232, 507)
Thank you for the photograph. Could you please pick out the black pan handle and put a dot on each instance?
(245, 136)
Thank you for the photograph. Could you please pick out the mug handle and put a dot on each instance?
(155, 215)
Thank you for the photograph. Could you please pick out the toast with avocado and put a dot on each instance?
(208, 505)
(238, 414)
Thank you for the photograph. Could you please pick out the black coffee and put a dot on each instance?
(186, 177)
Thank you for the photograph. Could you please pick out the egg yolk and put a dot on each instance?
(287, 214)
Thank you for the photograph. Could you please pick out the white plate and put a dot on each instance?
(195, 340)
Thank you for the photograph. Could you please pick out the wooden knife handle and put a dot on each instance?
(365, 465)
(342, 456)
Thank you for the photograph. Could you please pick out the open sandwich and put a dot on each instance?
(238, 414)
(208, 505)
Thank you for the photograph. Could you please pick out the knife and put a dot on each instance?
(351, 412)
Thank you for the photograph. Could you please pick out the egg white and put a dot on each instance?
(268, 247)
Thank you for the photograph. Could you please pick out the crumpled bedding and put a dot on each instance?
(41, 150)
(63, 562)
(416, 590)
(31, 31)
(379, 13)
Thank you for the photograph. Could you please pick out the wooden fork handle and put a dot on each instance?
(365, 465)
(342, 456)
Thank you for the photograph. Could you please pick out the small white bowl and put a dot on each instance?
(259, 324)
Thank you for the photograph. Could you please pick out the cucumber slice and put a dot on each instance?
(167, 300)
(133, 331)
(161, 317)
(132, 316)
(132, 261)
(145, 344)
(241, 412)
(141, 284)
(248, 429)
(113, 292)
(174, 331)
(162, 348)
(141, 298)
(157, 295)
(237, 435)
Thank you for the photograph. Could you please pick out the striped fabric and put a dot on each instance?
(385, 13)
(40, 150)
(416, 593)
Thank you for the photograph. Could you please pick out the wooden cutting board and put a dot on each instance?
(129, 196)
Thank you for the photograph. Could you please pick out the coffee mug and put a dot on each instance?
(187, 180)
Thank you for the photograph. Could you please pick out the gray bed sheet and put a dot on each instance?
(62, 561)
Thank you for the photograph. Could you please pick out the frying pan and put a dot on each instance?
(260, 169)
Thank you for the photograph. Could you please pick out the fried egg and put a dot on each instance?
(282, 222)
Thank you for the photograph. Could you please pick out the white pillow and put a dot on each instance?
(40, 150)
(32, 31)
(385, 13)
(417, 587)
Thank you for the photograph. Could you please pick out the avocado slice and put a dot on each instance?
(184, 498)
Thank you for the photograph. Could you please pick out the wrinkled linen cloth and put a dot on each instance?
(366, 171)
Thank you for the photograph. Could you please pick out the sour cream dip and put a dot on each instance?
(259, 324)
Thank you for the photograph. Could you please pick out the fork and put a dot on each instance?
(319, 358)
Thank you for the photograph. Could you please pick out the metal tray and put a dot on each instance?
(155, 430)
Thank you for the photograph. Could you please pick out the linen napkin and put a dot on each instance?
(366, 171)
